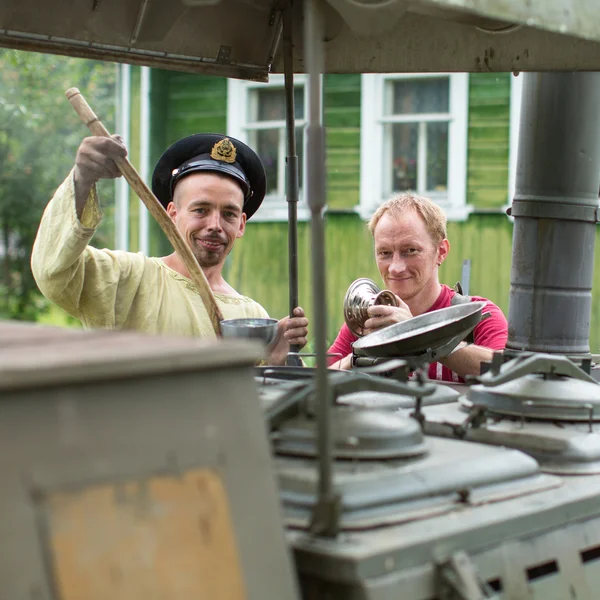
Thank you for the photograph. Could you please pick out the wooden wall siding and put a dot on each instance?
(159, 109)
(182, 104)
(196, 103)
(341, 98)
(488, 140)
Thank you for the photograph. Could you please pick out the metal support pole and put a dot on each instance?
(291, 163)
(122, 187)
(325, 516)
(465, 276)
(144, 223)
(555, 209)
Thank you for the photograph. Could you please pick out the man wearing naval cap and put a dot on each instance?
(210, 185)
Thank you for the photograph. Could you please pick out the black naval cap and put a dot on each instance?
(211, 152)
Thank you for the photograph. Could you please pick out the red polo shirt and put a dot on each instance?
(489, 333)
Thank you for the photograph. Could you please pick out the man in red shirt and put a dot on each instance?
(409, 232)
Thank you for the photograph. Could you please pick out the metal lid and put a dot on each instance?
(538, 386)
(453, 477)
(388, 401)
(539, 396)
(357, 434)
(429, 331)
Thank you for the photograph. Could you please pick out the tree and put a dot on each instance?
(39, 136)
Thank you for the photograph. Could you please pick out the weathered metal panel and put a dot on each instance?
(388, 492)
(167, 536)
(109, 472)
(240, 38)
(509, 543)
(166, 34)
(579, 18)
(423, 44)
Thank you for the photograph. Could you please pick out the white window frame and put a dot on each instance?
(274, 206)
(373, 142)
(516, 89)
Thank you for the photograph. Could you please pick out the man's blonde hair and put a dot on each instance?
(431, 213)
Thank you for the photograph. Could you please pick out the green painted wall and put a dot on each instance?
(195, 103)
(159, 108)
(341, 99)
(182, 104)
(488, 140)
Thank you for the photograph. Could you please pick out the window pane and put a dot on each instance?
(405, 138)
(267, 143)
(437, 157)
(412, 96)
(299, 102)
(270, 104)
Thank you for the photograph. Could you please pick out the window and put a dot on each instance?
(414, 137)
(256, 115)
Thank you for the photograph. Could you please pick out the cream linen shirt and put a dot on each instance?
(109, 289)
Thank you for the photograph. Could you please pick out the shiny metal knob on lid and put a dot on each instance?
(362, 294)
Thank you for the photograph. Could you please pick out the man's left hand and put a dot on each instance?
(291, 331)
(383, 316)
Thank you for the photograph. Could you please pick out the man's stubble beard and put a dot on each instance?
(210, 259)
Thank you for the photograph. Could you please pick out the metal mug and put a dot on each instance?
(361, 294)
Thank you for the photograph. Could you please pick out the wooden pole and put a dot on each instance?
(156, 209)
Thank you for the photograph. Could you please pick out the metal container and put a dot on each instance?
(362, 294)
(263, 330)
(434, 330)
(135, 466)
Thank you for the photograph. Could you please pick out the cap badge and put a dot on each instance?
(224, 150)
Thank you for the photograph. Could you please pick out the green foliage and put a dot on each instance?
(39, 136)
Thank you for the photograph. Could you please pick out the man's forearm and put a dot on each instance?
(62, 239)
(467, 360)
(82, 192)
(344, 364)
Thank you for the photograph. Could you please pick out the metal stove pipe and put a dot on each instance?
(556, 210)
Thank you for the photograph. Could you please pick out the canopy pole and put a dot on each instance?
(291, 162)
(325, 517)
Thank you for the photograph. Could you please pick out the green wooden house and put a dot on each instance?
(452, 137)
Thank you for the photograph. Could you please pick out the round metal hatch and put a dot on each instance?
(539, 396)
(357, 434)
(428, 331)
(391, 402)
